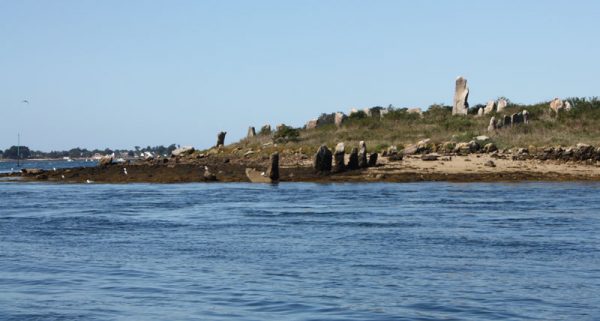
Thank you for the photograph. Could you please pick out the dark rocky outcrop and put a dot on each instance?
(273, 169)
(221, 139)
(372, 160)
(338, 159)
(353, 160)
(362, 155)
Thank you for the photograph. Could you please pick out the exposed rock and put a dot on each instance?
(338, 159)
(221, 139)
(490, 163)
(424, 146)
(489, 148)
(373, 160)
(461, 96)
(32, 171)
(362, 155)
(208, 175)
(556, 105)
(251, 132)
(507, 121)
(430, 157)
(273, 169)
(409, 150)
(489, 108)
(248, 153)
(467, 148)
(480, 112)
(501, 104)
(492, 125)
(311, 124)
(339, 119)
(353, 160)
(447, 147)
(525, 117)
(374, 112)
(105, 160)
(322, 159)
(415, 110)
(482, 138)
(185, 150)
(353, 111)
(256, 176)
(392, 150)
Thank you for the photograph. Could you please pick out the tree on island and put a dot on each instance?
(15, 152)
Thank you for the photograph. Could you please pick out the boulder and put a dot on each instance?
(273, 169)
(492, 125)
(430, 157)
(501, 104)
(105, 160)
(251, 132)
(256, 176)
(480, 112)
(374, 112)
(409, 150)
(490, 163)
(482, 138)
(338, 159)
(516, 119)
(362, 155)
(415, 110)
(489, 148)
(525, 114)
(489, 108)
(568, 106)
(507, 121)
(32, 171)
(311, 124)
(467, 148)
(339, 119)
(353, 160)
(373, 160)
(221, 139)
(185, 150)
(461, 96)
(208, 175)
(322, 159)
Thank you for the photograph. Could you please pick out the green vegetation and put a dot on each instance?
(398, 127)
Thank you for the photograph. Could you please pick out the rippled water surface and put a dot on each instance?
(431, 251)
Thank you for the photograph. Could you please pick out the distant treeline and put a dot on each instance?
(23, 152)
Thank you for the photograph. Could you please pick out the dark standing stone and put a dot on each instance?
(373, 160)
(507, 121)
(362, 155)
(273, 169)
(221, 139)
(353, 161)
(322, 160)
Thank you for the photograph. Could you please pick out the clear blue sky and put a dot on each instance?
(124, 73)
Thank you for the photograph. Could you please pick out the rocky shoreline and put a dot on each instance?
(466, 162)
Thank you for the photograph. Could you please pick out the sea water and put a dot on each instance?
(419, 251)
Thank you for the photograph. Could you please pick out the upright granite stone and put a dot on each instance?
(525, 117)
(265, 130)
(251, 132)
(516, 119)
(273, 169)
(322, 159)
(362, 155)
(568, 106)
(461, 96)
(507, 121)
(353, 160)
(339, 119)
(492, 125)
(502, 103)
(338, 159)
(480, 112)
(489, 108)
(221, 139)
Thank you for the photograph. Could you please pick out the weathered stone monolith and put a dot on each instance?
(273, 169)
(489, 108)
(322, 159)
(362, 155)
(480, 112)
(221, 139)
(353, 160)
(507, 121)
(372, 160)
(556, 104)
(338, 159)
(339, 119)
(492, 125)
(251, 132)
(502, 103)
(311, 124)
(525, 117)
(461, 96)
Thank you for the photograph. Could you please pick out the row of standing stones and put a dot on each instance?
(460, 106)
(325, 161)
